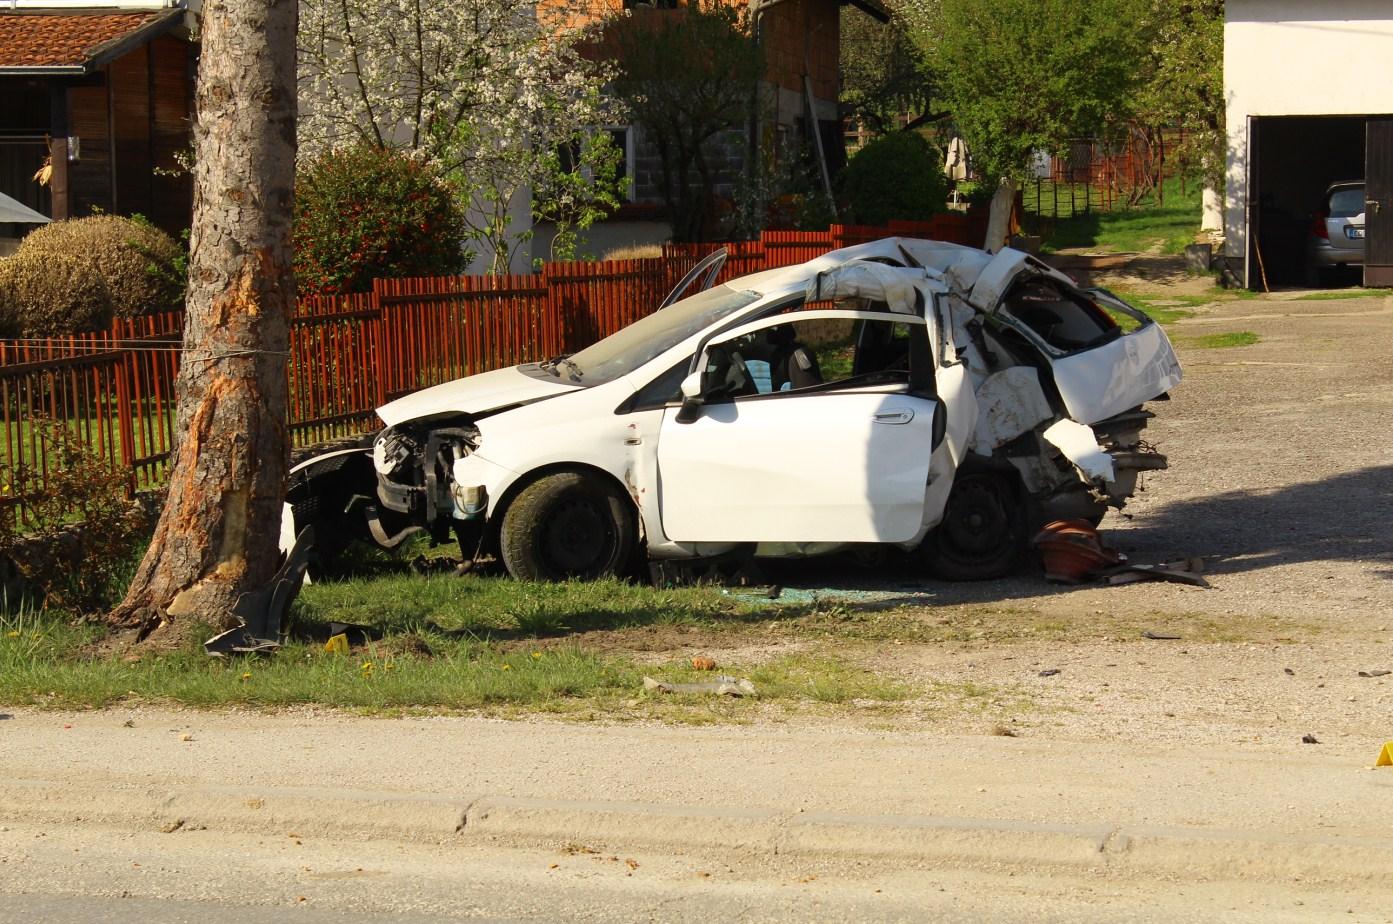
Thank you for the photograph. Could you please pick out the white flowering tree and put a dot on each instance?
(484, 88)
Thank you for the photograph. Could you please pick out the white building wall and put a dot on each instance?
(1299, 57)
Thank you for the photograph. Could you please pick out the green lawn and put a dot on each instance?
(446, 642)
(1168, 227)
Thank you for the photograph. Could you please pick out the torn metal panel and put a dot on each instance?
(263, 612)
(996, 278)
(1009, 403)
(1104, 381)
(875, 281)
(1080, 447)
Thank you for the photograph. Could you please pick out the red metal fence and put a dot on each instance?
(351, 354)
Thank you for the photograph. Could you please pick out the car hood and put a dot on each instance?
(474, 394)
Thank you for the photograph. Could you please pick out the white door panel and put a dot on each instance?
(821, 467)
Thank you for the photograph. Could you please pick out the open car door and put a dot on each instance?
(799, 434)
(706, 271)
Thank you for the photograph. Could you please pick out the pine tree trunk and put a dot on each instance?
(217, 535)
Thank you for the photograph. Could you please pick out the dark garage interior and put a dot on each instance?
(1294, 159)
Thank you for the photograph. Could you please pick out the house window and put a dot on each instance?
(655, 4)
(622, 137)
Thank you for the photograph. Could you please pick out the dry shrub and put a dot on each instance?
(48, 295)
(141, 266)
(634, 252)
(73, 533)
(9, 311)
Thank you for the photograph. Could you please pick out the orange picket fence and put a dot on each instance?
(116, 389)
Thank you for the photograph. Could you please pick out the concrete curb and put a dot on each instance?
(407, 817)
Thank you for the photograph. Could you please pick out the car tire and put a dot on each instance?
(983, 531)
(567, 525)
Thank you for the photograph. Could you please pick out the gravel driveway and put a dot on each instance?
(1282, 478)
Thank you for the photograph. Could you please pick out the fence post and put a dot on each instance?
(125, 419)
(380, 340)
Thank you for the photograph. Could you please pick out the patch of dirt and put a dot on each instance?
(1132, 271)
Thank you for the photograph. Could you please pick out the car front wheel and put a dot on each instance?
(982, 534)
(567, 525)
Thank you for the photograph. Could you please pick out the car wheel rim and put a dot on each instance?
(578, 538)
(978, 524)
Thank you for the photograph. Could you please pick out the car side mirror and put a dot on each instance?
(691, 385)
(691, 399)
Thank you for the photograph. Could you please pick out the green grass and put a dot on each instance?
(1168, 227)
(498, 607)
(1233, 338)
(1334, 294)
(446, 643)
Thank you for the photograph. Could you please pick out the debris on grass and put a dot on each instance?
(721, 686)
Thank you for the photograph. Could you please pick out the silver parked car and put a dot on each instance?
(1336, 238)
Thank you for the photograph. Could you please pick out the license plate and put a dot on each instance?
(1354, 234)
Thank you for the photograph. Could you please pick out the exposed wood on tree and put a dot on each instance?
(217, 536)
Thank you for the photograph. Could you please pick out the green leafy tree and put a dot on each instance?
(896, 176)
(1027, 75)
(688, 75)
(1184, 85)
(888, 82)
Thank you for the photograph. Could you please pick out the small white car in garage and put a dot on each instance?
(905, 393)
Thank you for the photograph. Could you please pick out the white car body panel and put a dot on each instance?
(823, 467)
(475, 394)
(1099, 383)
(1080, 447)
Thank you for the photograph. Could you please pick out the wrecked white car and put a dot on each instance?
(924, 396)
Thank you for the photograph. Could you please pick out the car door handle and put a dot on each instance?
(894, 417)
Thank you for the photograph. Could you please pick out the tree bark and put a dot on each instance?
(217, 536)
(999, 214)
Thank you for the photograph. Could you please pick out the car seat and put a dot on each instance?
(791, 364)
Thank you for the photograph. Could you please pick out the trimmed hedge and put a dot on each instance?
(141, 267)
(49, 295)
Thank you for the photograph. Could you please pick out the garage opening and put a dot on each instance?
(1295, 159)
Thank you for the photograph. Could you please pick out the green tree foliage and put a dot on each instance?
(1184, 86)
(886, 78)
(687, 75)
(896, 176)
(366, 212)
(1026, 75)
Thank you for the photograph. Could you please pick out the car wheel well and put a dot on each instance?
(500, 509)
(985, 526)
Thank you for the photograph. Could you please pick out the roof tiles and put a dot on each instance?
(63, 39)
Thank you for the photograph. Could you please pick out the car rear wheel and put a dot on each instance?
(983, 531)
(567, 525)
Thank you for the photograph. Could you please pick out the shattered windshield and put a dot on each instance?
(622, 352)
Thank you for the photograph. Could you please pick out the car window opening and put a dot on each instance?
(1067, 321)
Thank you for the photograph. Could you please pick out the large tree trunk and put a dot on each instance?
(999, 215)
(217, 535)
